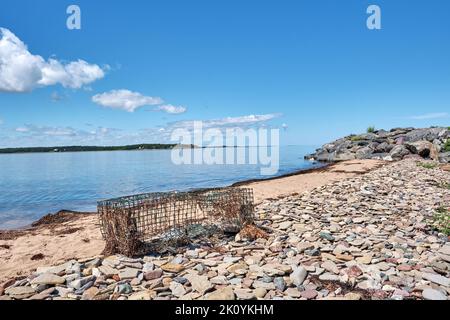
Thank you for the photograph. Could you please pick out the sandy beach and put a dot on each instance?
(77, 236)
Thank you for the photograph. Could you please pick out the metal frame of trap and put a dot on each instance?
(129, 222)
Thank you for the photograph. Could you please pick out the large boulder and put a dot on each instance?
(364, 153)
(444, 157)
(425, 149)
(398, 152)
(344, 156)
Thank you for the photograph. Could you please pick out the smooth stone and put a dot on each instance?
(107, 270)
(245, 294)
(432, 294)
(309, 294)
(280, 284)
(128, 273)
(260, 284)
(436, 278)
(154, 274)
(20, 292)
(78, 283)
(219, 280)
(285, 225)
(55, 270)
(124, 288)
(48, 278)
(90, 293)
(173, 268)
(293, 292)
(200, 284)
(298, 275)
(177, 289)
(330, 266)
(260, 292)
(226, 293)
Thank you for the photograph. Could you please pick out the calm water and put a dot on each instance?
(32, 185)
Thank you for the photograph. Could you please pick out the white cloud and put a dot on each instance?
(22, 129)
(172, 109)
(37, 135)
(21, 71)
(125, 100)
(237, 122)
(429, 116)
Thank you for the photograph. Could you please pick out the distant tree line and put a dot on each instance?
(93, 148)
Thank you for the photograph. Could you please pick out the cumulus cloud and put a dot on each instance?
(172, 109)
(125, 100)
(428, 116)
(22, 71)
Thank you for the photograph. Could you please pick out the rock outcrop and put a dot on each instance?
(396, 144)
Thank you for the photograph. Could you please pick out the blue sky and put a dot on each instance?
(312, 68)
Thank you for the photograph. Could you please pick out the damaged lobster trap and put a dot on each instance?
(129, 223)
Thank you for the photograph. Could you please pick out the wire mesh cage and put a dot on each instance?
(127, 223)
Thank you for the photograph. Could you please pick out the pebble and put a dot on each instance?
(431, 294)
(298, 276)
(174, 268)
(226, 293)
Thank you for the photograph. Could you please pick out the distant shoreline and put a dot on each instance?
(64, 149)
(136, 147)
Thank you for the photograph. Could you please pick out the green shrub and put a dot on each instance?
(427, 165)
(371, 129)
(441, 220)
(447, 145)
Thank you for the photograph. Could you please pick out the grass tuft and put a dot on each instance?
(441, 220)
(371, 129)
(427, 165)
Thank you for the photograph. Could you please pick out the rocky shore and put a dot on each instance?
(396, 144)
(371, 236)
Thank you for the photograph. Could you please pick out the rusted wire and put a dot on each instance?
(128, 223)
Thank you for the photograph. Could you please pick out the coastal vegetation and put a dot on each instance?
(371, 129)
(427, 165)
(442, 220)
(92, 148)
(447, 145)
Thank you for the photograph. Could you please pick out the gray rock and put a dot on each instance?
(124, 288)
(436, 278)
(48, 278)
(431, 294)
(298, 275)
(128, 273)
(20, 292)
(280, 284)
(200, 284)
(398, 152)
(78, 283)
